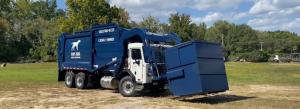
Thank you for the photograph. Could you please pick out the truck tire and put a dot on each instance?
(127, 87)
(70, 79)
(81, 80)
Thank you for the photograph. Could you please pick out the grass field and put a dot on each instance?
(29, 75)
(263, 73)
(252, 85)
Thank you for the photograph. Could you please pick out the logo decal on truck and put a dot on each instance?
(75, 45)
(108, 30)
(110, 39)
(75, 54)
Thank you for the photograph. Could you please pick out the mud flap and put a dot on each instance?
(61, 75)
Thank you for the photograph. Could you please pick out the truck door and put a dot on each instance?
(136, 63)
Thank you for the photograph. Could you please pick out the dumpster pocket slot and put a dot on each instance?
(175, 74)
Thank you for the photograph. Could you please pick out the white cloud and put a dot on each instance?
(240, 15)
(292, 25)
(215, 4)
(143, 8)
(196, 19)
(275, 6)
(262, 6)
(163, 8)
(275, 15)
(285, 12)
(260, 21)
(262, 15)
(140, 4)
(211, 17)
(271, 24)
(286, 3)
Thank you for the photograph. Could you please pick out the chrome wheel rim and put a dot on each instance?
(68, 80)
(128, 87)
(79, 81)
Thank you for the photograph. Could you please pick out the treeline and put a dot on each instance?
(237, 40)
(29, 30)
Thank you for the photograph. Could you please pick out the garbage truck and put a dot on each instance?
(135, 60)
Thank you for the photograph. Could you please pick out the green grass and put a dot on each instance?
(28, 75)
(263, 73)
(34, 75)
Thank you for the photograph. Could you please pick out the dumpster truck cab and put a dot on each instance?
(135, 60)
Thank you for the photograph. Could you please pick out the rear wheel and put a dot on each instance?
(127, 87)
(69, 79)
(81, 80)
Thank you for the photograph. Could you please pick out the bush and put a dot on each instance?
(256, 56)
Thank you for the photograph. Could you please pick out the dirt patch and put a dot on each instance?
(252, 96)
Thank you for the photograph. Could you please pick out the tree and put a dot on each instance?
(120, 16)
(279, 41)
(197, 32)
(44, 9)
(180, 23)
(28, 21)
(5, 7)
(29, 29)
(44, 46)
(3, 30)
(241, 39)
(82, 14)
(219, 32)
(202, 30)
(235, 39)
(223, 27)
(151, 23)
(164, 28)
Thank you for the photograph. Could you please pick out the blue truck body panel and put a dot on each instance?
(195, 68)
(100, 45)
(87, 50)
(191, 68)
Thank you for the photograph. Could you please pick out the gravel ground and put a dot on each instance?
(60, 97)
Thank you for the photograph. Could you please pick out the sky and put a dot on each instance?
(265, 15)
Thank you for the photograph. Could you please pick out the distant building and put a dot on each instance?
(295, 57)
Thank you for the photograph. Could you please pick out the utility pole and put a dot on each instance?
(261, 46)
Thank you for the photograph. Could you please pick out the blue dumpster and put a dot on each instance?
(196, 68)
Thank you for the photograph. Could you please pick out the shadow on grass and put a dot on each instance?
(217, 99)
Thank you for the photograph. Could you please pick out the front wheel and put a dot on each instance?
(127, 87)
